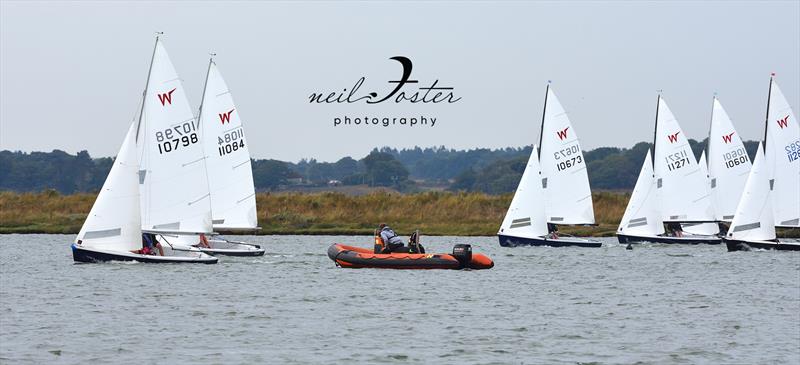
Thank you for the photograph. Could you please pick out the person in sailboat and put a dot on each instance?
(391, 241)
(203, 241)
(150, 245)
(552, 231)
(675, 229)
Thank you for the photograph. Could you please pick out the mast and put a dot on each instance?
(766, 118)
(655, 130)
(146, 85)
(204, 137)
(544, 112)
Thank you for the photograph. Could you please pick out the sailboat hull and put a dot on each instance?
(83, 254)
(686, 240)
(737, 245)
(511, 241)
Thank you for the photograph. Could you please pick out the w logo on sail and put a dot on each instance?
(166, 97)
(225, 117)
(783, 122)
(727, 138)
(673, 137)
(562, 134)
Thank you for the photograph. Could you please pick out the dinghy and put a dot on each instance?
(112, 230)
(358, 258)
(230, 176)
(172, 176)
(674, 192)
(771, 196)
(554, 189)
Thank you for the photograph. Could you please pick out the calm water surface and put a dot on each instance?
(653, 305)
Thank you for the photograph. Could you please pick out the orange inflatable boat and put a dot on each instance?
(357, 257)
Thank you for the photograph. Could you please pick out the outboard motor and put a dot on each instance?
(463, 253)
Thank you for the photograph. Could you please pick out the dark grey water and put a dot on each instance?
(655, 304)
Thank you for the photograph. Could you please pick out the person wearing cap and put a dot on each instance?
(391, 240)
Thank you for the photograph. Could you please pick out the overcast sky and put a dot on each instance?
(73, 72)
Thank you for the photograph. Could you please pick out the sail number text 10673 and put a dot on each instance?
(172, 138)
(570, 156)
(230, 141)
(735, 157)
(677, 160)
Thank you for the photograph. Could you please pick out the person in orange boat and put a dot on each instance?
(392, 242)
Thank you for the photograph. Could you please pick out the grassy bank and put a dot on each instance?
(434, 213)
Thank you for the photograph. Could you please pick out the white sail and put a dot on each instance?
(754, 220)
(679, 180)
(728, 164)
(230, 176)
(526, 217)
(564, 179)
(114, 221)
(707, 229)
(782, 152)
(173, 180)
(642, 217)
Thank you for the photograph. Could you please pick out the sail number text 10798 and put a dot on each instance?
(230, 141)
(172, 138)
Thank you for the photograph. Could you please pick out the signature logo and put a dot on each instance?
(673, 137)
(783, 122)
(433, 94)
(225, 117)
(166, 97)
(562, 134)
(727, 137)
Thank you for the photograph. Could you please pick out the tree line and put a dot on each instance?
(493, 171)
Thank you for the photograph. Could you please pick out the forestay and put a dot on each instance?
(114, 221)
(172, 177)
(754, 220)
(728, 164)
(642, 217)
(526, 217)
(230, 176)
(679, 180)
(782, 153)
(567, 193)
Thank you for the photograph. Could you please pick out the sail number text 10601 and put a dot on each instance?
(172, 138)
(735, 157)
(677, 160)
(230, 141)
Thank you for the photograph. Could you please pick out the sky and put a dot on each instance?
(72, 72)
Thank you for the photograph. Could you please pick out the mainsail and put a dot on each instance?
(681, 184)
(114, 221)
(174, 188)
(526, 216)
(230, 176)
(754, 220)
(568, 197)
(728, 164)
(642, 217)
(782, 156)
(708, 229)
